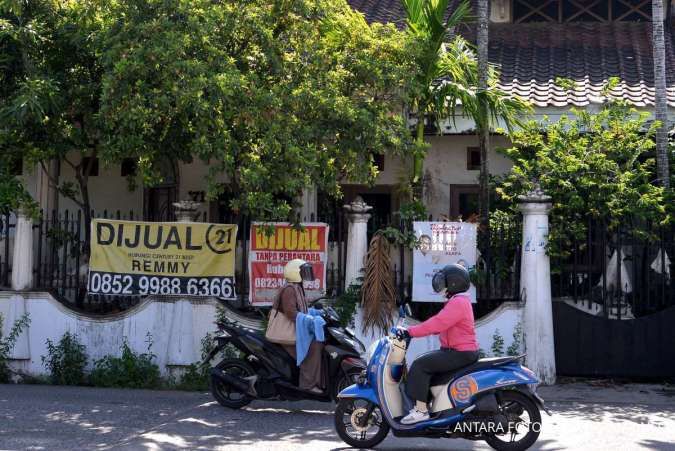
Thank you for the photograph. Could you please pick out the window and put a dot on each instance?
(378, 161)
(562, 11)
(473, 158)
(93, 169)
(128, 167)
(464, 202)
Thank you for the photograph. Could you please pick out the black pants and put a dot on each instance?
(441, 361)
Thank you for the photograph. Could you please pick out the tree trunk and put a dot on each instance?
(660, 94)
(482, 126)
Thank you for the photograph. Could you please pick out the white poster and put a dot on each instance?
(441, 243)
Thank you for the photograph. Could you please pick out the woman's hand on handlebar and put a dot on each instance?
(401, 333)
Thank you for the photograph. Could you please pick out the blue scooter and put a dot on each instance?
(494, 400)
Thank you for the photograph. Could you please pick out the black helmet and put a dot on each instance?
(454, 278)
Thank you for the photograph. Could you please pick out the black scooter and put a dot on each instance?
(265, 370)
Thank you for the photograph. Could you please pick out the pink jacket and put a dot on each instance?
(454, 325)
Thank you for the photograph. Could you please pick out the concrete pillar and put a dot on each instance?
(357, 238)
(22, 261)
(535, 283)
(186, 210)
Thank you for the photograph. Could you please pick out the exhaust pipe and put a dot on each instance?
(236, 382)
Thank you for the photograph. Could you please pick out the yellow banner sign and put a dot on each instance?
(141, 258)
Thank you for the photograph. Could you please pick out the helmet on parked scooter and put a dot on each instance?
(298, 270)
(452, 278)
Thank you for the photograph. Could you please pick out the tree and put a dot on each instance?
(50, 93)
(660, 94)
(276, 96)
(447, 75)
(593, 166)
(482, 129)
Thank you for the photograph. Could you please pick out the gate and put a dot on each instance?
(614, 303)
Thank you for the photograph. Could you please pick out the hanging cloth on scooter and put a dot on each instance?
(308, 327)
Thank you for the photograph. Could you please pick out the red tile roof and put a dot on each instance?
(531, 56)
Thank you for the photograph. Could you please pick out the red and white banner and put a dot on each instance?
(268, 254)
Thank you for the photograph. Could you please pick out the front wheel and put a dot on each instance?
(524, 422)
(354, 428)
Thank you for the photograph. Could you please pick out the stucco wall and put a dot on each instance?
(175, 326)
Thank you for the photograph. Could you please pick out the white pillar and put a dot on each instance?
(22, 261)
(357, 239)
(535, 285)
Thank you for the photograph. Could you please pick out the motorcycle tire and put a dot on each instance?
(519, 403)
(225, 395)
(347, 407)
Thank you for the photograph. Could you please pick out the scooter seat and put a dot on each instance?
(482, 364)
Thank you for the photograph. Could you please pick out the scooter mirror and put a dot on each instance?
(408, 310)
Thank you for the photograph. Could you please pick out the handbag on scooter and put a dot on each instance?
(280, 329)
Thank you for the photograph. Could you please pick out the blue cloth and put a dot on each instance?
(308, 327)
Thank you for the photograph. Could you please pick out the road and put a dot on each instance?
(72, 418)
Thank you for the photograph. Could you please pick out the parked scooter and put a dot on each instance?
(493, 399)
(266, 371)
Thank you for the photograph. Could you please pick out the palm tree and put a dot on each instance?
(660, 94)
(481, 129)
(447, 77)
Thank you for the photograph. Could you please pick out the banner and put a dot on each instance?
(269, 254)
(441, 243)
(176, 258)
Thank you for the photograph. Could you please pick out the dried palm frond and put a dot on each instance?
(378, 293)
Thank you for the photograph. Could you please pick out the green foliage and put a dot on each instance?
(66, 360)
(497, 344)
(592, 165)
(411, 211)
(274, 96)
(345, 304)
(439, 54)
(8, 342)
(130, 370)
(481, 353)
(49, 91)
(515, 347)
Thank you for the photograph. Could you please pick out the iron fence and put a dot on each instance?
(620, 272)
(61, 260)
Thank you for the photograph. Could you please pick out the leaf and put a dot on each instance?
(378, 292)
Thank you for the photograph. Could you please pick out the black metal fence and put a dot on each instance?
(61, 261)
(624, 272)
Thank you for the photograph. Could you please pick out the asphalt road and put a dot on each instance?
(74, 418)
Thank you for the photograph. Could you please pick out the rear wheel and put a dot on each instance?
(524, 422)
(225, 394)
(356, 430)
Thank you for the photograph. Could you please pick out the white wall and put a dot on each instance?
(176, 327)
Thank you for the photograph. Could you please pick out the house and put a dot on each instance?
(531, 42)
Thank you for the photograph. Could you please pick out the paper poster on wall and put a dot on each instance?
(268, 254)
(173, 258)
(441, 243)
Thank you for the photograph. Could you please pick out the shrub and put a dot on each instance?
(7, 344)
(131, 370)
(66, 360)
(497, 344)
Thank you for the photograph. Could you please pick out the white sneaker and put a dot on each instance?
(415, 416)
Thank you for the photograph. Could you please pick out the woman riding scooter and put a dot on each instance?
(455, 327)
